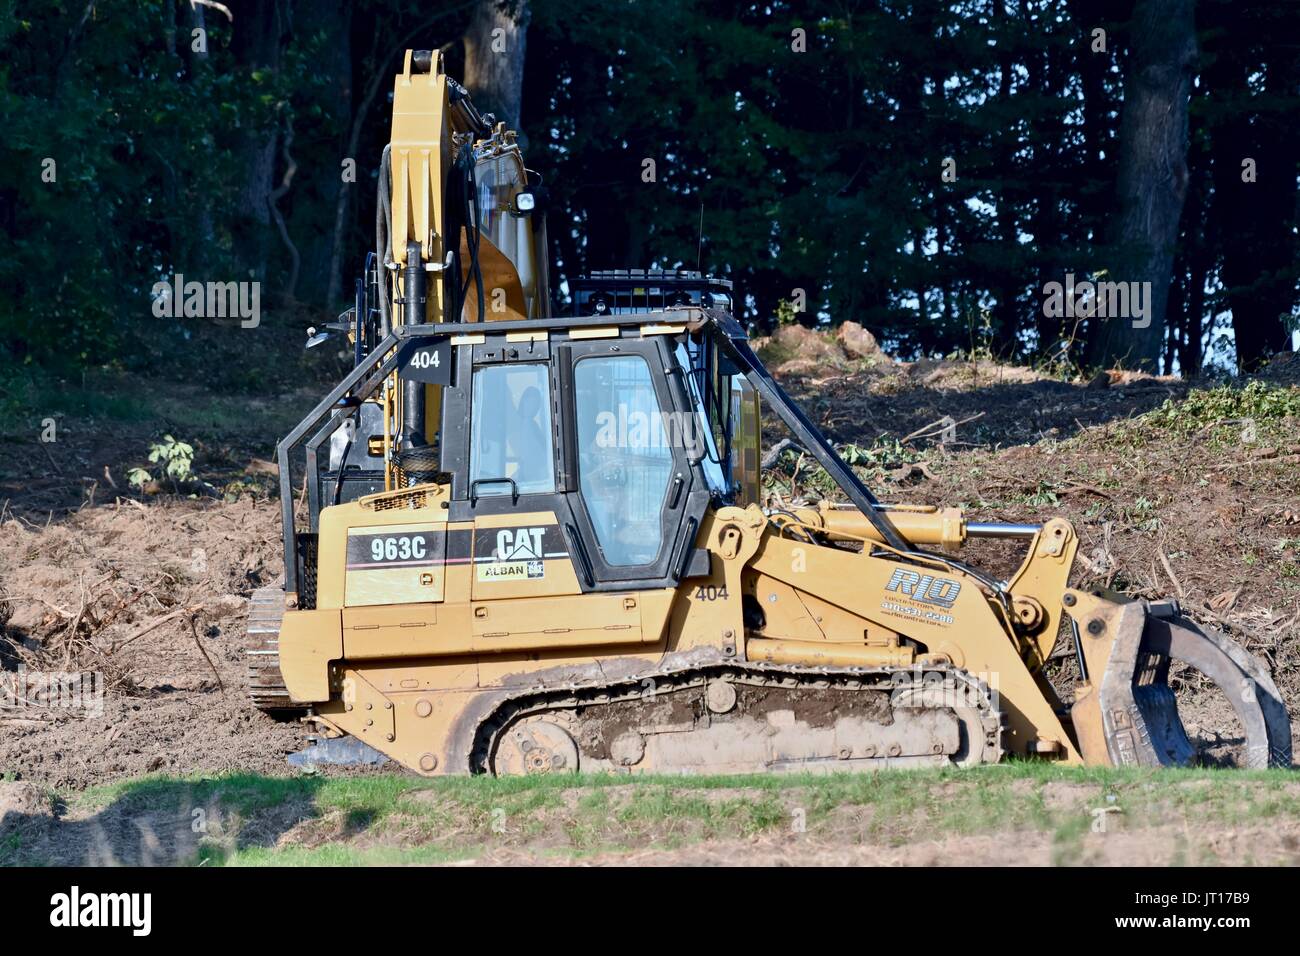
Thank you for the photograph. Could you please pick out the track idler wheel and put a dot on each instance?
(1139, 720)
(535, 745)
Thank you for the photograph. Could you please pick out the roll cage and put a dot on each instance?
(717, 347)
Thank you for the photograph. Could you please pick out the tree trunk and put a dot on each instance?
(1152, 179)
(332, 19)
(1006, 318)
(256, 45)
(197, 256)
(1258, 244)
(1196, 260)
(1046, 79)
(494, 57)
(343, 198)
(1176, 323)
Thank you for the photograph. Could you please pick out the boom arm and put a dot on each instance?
(456, 235)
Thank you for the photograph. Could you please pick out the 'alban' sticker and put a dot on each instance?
(518, 554)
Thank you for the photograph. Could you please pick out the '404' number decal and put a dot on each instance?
(428, 362)
(709, 592)
(427, 359)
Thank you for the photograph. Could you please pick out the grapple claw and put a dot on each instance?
(1242, 677)
(1138, 710)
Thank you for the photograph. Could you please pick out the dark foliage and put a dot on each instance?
(799, 149)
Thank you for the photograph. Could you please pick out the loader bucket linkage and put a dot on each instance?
(1134, 716)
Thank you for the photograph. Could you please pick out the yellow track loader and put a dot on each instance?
(536, 544)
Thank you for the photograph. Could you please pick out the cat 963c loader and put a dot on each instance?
(536, 544)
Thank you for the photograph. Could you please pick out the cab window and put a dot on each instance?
(510, 432)
(625, 459)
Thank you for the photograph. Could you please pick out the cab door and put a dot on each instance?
(522, 574)
(518, 547)
(628, 470)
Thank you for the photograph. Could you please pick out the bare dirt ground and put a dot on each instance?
(1197, 500)
(1155, 846)
(154, 597)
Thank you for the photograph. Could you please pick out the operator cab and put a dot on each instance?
(623, 432)
(585, 450)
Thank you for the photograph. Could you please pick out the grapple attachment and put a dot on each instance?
(1125, 712)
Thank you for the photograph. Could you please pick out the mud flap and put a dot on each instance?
(1138, 709)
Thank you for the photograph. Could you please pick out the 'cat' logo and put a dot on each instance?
(519, 544)
(925, 588)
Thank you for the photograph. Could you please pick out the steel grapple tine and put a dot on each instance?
(1242, 678)
(1139, 720)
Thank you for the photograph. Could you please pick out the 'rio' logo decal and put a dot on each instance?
(925, 588)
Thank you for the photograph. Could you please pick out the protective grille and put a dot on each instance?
(306, 571)
(404, 499)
